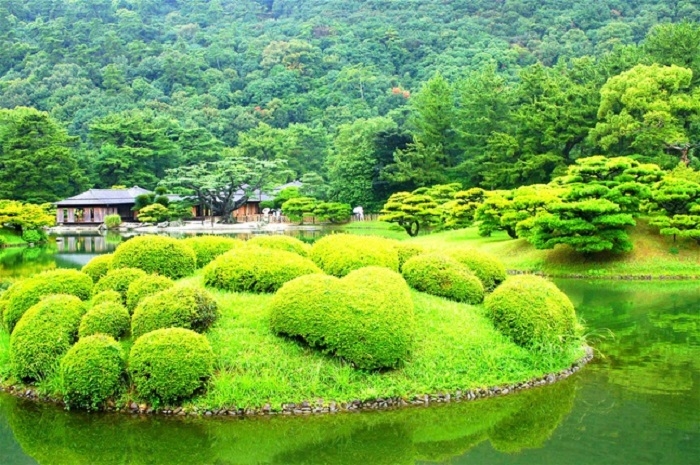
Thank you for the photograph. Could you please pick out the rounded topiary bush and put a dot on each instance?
(181, 306)
(487, 267)
(407, 251)
(533, 312)
(170, 364)
(256, 269)
(110, 318)
(442, 276)
(92, 371)
(98, 266)
(106, 296)
(281, 242)
(145, 286)
(207, 248)
(366, 317)
(26, 293)
(44, 333)
(339, 254)
(118, 280)
(156, 254)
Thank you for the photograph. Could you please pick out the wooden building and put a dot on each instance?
(93, 205)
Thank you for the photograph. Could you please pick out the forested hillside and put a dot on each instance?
(374, 96)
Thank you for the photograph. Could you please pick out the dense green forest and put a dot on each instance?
(374, 96)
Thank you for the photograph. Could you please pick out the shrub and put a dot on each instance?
(280, 242)
(485, 266)
(145, 286)
(533, 312)
(366, 317)
(339, 254)
(156, 254)
(92, 371)
(256, 269)
(106, 296)
(118, 280)
(28, 292)
(110, 318)
(33, 236)
(181, 306)
(170, 364)
(442, 276)
(98, 266)
(43, 334)
(406, 251)
(113, 221)
(207, 248)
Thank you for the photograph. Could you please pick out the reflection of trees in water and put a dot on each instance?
(19, 262)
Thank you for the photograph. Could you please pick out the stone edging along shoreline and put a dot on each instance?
(320, 407)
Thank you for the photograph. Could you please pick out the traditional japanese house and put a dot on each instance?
(93, 205)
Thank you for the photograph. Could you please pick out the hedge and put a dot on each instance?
(43, 334)
(533, 312)
(110, 318)
(406, 251)
(118, 280)
(156, 254)
(339, 254)
(487, 267)
(106, 296)
(145, 286)
(170, 364)
(256, 269)
(207, 248)
(365, 318)
(92, 371)
(281, 242)
(443, 276)
(98, 266)
(26, 293)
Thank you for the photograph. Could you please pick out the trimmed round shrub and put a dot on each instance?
(118, 280)
(92, 371)
(207, 248)
(156, 254)
(145, 286)
(339, 254)
(186, 307)
(406, 251)
(98, 266)
(533, 312)
(43, 334)
(26, 293)
(487, 267)
(366, 317)
(110, 318)
(281, 242)
(256, 269)
(442, 276)
(170, 364)
(106, 296)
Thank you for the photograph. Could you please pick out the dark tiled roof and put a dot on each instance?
(104, 197)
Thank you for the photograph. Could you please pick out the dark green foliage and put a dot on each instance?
(443, 276)
(118, 280)
(281, 242)
(33, 236)
(156, 254)
(92, 371)
(207, 248)
(334, 212)
(98, 266)
(256, 269)
(365, 318)
(534, 313)
(339, 254)
(298, 208)
(43, 334)
(487, 267)
(145, 286)
(170, 364)
(106, 296)
(180, 306)
(407, 250)
(28, 292)
(110, 318)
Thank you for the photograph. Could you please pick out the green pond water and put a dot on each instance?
(638, 402)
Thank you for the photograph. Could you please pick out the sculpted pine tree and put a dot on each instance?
(412, 211)
(675, 206)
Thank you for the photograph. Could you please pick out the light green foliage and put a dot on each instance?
(106, 296)
(145, 286)
(288, 193)
(98, 266)
(487, 267)
(156, 254)
(282, 242)
(675, 206)
(181, 306)
(489, 213)
(676, 44)
(534, 313)
(26, 216)
(339, 254)
(207, 248)
(460, 212)
(118, 280)
(365, 318)
(256, 269)
(443, 276)
(110, 318)
(43, 334)
(299, 207)
(412, 211)
(170, 364)
(334, 212)
(113, 221)
(406, 251)
(26, 293)
(92, 371)
(153, 213)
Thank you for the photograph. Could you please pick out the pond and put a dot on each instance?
(637, 402)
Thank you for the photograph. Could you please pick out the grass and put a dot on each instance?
(375, 228)
(11, 238)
